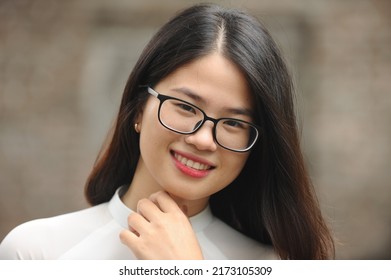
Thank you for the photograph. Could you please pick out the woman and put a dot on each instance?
(204, 160)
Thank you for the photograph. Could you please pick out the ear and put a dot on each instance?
(138, 120)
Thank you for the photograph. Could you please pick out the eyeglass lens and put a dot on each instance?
(184, 118)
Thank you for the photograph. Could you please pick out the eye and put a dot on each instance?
(234, 123)
(186, 107)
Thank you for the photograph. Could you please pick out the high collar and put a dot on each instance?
(120, 213)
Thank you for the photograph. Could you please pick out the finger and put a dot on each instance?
(128, 238)
(137, 223)
(148, 209)
(164, 201)
(132, 242)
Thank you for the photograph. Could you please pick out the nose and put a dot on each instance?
(203, 138)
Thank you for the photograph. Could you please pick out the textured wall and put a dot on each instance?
(63, 66)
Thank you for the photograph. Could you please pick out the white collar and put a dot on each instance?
(120, 213)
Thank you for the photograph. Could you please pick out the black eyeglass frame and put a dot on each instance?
(163, 98)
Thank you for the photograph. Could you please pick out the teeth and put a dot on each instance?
(182, 159)
(190, 163)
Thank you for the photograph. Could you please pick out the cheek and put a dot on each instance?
(154, 138)
(150, 126)
(151, 135)
(232, 168)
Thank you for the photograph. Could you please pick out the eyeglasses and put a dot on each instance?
(185, 118)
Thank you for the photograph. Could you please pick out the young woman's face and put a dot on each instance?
(193, 167)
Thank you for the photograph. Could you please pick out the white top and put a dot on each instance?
(93, 233)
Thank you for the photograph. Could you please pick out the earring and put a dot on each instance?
(136, 128)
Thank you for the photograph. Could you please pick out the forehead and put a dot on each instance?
(212, 79)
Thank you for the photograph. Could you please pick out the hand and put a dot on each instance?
(160, 230)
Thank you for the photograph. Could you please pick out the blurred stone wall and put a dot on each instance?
(63, 66)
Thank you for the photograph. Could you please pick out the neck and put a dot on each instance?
(143, 185)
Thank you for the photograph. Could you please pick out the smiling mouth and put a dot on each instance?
(191, 163)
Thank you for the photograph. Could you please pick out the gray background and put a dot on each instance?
(63, 66)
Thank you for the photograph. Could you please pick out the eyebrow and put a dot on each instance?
(194, 96)
(191, 94)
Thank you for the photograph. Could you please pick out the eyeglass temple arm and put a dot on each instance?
(153, 92)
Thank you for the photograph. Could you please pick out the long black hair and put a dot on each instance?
(272, 200)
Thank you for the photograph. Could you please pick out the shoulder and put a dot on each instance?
(47, 238)
(235, 245)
